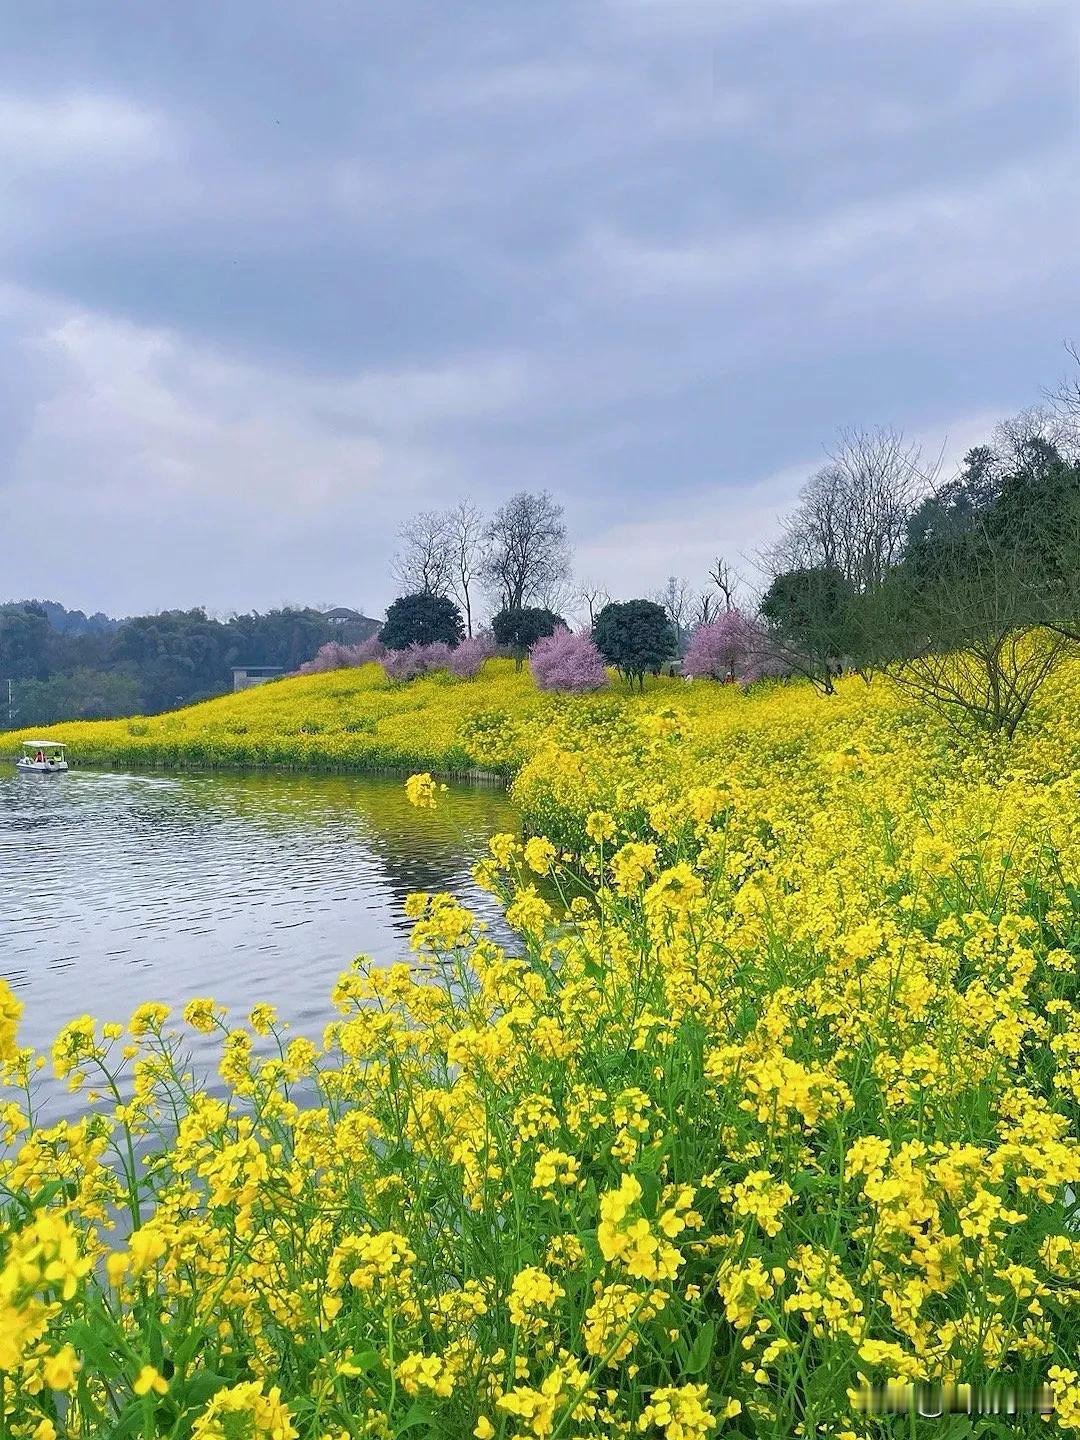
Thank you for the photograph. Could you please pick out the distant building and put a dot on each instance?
(245, 676)
(352, 627)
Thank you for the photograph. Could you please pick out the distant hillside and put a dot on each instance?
(58, 664)
(74, 622)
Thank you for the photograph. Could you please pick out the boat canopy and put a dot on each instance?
(42, 745)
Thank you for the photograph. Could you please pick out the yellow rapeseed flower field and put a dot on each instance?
(774, 1100)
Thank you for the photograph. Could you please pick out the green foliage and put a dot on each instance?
(422, 620)
(811, 615)
(519, 629)
(636, 636)
(986, 602)
(1021, 511)
(68, 666)
(24, 631)
(811, 607)
(82, 694)
(945, 517)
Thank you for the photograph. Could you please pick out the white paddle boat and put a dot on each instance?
(42, 757)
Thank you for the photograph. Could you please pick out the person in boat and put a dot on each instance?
(39, 758)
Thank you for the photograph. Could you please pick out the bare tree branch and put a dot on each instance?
(465, 528)
(593, 598)
(424, 563)
(527, 550)
(678, 599)
(852, 514)
(725, 582)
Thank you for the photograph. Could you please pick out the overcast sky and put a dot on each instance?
(274, 276)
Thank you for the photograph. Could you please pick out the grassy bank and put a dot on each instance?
(788, 1109)
(344, 720)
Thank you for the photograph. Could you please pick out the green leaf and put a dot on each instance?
(649, 1182)
(701, 1350)
(45, 1195)
(418, 1413)
(128, 1422)
(89, 1345)
(197, 1389)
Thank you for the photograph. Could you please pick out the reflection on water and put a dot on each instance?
(115, 889)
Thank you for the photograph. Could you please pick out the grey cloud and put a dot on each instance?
(271, 277)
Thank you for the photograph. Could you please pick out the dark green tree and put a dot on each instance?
(945, 517)
(178, 655)
(81, 694)
(161, 661)
(284, 637)
(989, 587)
(24, 638)
(636, 636)
(811, 624)
(421, 620)
(1013, 514)
(519, 629)
(1037, 516)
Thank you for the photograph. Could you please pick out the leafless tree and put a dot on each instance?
(852, 514)
(527, 550)
(465, 528)
(715, 598)
(722, 578)
(678, 599)
(1019, 440)
(705, 608)
(1064, 401)
(991, 684)
(424, 563)
(559, 596)
(592, 598)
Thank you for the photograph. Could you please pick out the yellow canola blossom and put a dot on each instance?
(765, 1093)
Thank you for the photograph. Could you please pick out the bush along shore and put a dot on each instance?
(770, 1122)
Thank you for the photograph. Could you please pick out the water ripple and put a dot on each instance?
(116, 889)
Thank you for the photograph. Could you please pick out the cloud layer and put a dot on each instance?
(272, 278)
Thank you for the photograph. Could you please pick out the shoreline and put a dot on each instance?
(475, 776)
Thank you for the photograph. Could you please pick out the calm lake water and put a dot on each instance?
(115, 889)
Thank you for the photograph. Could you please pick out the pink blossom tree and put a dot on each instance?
(335, 656)
(467, 660)
(464, 661)
(367, 651)
(729, 648)
(437, 655)
(401, 665)
(567, 662)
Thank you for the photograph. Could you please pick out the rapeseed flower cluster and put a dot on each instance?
(774, 1096)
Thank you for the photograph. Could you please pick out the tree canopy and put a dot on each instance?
(518, 630)
(65, 664)
(809, 613)
(422, 619)
(636, 636)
